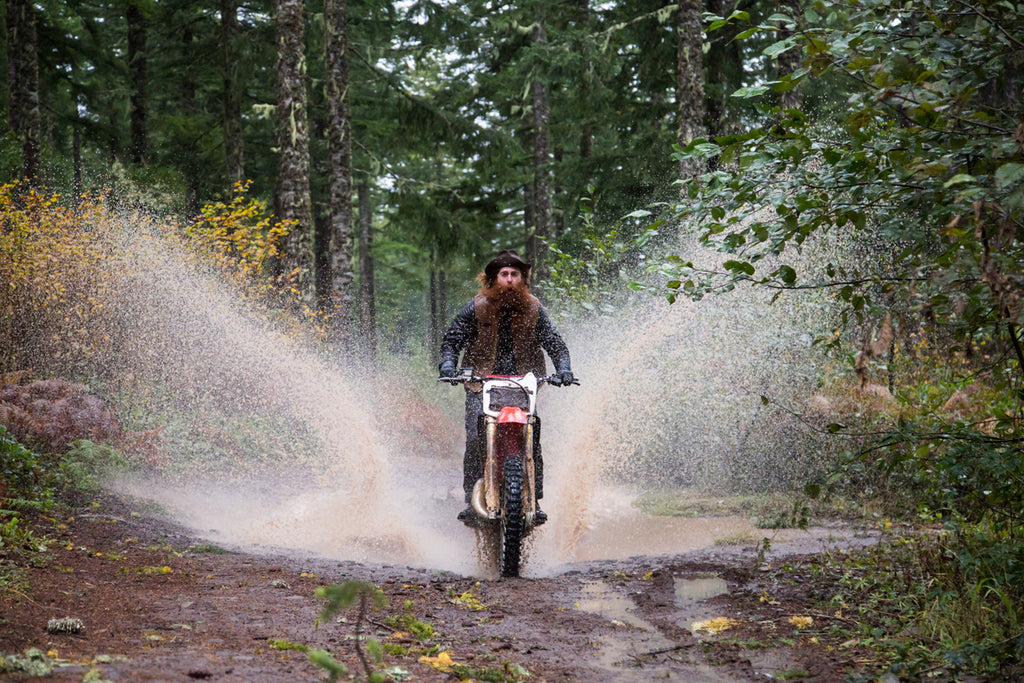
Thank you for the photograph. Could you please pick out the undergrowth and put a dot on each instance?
(923, 605)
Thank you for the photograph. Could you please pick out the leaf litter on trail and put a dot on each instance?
(715, 625)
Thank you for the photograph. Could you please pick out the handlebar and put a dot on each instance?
(466, 375)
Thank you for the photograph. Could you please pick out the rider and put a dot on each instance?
(503, 330)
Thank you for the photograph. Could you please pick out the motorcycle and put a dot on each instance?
(504, 499)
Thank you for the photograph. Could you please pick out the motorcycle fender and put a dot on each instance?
(512, 414)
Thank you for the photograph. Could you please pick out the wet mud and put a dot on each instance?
(159, 602)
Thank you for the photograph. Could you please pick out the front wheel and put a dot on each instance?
(512, 518)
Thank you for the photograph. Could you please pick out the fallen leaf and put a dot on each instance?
(801, 622)
(716, 625)
(442, 662)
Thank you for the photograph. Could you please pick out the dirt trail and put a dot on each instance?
(159, 604)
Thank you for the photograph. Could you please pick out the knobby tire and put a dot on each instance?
(512, 518)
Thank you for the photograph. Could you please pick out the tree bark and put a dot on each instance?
(367, 308)
(689, 80)
(188, 107)
(23, 83)
(138, 66)
(234, 146)
(294, 201)
(586, 86)
(339, 134)
(541, 163)
(789, 61)
(714, 94)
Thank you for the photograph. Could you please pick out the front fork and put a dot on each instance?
(486, 498)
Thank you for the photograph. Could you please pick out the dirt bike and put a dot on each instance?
(504, 499)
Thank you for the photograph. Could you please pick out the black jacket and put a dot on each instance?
(463, 332)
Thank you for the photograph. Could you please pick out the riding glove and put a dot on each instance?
(447, 369)
(564, 378)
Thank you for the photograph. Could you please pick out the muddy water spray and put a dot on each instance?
(327, 487)
(670, 394)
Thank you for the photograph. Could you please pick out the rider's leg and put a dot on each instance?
(538, 460)
(473, 462)
(538, 472)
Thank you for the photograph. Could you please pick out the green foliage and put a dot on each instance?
(86, 463)
(341, 596)
(33, 663)
(925, 165)
(22, 470)
(407, 621)
(325, 661)
(916, 602)
(281, 644)
(921, 178)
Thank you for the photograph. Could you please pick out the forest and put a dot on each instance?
(346, 167)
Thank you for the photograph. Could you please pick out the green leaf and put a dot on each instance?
(739, 267)
(776, 49)
(812, 490)
(325, 661)
(958, 179)
(751, 91)
(374, 649)
(749, 32)
(786, 274)
(1009, 174)
(835, 427)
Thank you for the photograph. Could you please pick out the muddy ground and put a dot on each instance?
(157, 603)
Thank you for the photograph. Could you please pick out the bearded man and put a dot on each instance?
(504, 331)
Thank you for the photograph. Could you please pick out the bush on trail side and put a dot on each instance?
(51, 414)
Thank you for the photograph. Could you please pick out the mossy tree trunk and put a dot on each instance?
(23, 83)
(294, 200)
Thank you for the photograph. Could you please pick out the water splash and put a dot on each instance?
(276, 445)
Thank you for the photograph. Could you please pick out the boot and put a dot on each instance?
(539, 516)
(468, 516)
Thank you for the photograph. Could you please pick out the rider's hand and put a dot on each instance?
(564, 378)
(447, 370)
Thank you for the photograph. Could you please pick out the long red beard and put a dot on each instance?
(517, 298)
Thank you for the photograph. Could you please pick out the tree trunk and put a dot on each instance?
(294, 199)
(234, 148)
(689, 80)
(188, 108)
(138, 66)
(586, 85)
(715, 93)
(339, 135)
(23, 82)
(789, 61)
(529, 222)
(367, 308)
(76, 153)
(541, 163)
(433, 335)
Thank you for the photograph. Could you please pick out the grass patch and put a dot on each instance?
(280, 644)
(209, 548)
(740, 538)
(693, 503)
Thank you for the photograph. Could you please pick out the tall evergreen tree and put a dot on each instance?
(294, 202)
(23, 84)
(689, 80)
(339, 131)
(138, 65)
(234, 144)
